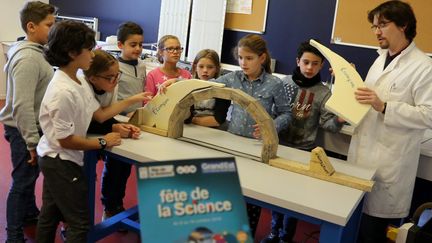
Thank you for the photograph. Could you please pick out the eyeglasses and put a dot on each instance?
(173, 49)
(111, 78)
(380, 25)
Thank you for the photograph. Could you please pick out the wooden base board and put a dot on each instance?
(336, 177)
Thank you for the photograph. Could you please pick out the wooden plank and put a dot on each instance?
(336, 177)
(154, 130)
(347, 80)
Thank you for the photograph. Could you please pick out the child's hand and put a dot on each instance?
(127, 130)
(33, 157)
(163, 86)
(340, 120)
(112, 139)
(142, 97)
(134, 132)
(256, 133)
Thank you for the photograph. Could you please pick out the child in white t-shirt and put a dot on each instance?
(66, 111)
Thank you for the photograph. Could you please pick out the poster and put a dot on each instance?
(239, 6)
(192, 201)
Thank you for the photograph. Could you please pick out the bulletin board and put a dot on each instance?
(254, 23)
(351, 27)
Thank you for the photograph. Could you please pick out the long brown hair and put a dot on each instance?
(210, 54)
(257, 45)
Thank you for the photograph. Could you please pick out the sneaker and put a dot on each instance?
(17, 241)
(286, 241)
(109, 213)
(63, 230)
(271, 238)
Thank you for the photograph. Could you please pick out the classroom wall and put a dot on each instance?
(112, 12)
(288, 23)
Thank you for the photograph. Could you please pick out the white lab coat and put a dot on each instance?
(391, 142)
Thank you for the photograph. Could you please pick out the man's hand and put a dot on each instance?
(367, 96)
(33, 157)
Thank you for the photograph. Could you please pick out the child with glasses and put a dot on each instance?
(130, 39)
(66, 110)
(103, 76)
(169, 52)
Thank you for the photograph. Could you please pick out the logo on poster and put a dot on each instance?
(186, 169)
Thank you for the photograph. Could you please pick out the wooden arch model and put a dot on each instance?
(165, 114)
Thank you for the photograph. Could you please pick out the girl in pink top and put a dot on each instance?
(169, 52)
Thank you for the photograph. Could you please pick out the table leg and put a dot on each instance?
(90, 160)
(329, 232)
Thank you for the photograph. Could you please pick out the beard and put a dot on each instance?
(384, 45)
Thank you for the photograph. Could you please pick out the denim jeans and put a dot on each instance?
(114, 180)
(21, 198)
(283, 226)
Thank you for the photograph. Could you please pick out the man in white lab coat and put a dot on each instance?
(399, 89)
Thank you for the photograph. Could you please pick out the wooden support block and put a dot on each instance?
(270, 140)
(320, 163)
(175, 124)
(137, 117)
(336, 177)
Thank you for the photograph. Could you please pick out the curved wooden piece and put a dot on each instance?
(164, 114)
(253, 107)
(156, 112)
(347, 80)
